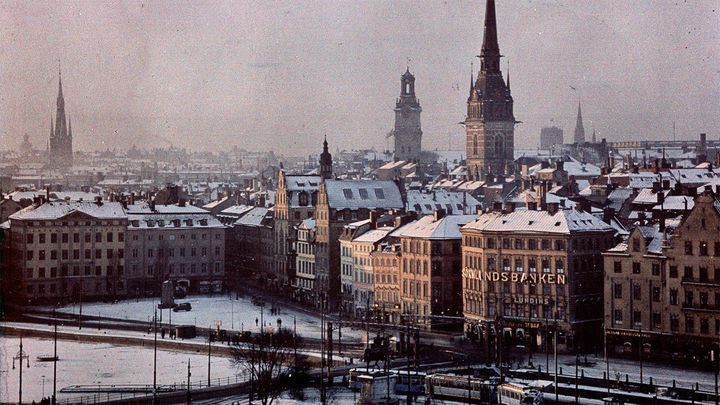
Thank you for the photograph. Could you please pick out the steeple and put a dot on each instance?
(325, 161)
(490, 54)
(508, 79)
(579, 128)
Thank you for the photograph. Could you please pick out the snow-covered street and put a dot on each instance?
(234, 314)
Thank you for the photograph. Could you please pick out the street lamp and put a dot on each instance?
(20, 356)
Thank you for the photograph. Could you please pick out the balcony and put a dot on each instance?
(696, 306)
(699, 281)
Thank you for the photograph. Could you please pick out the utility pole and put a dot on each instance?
(155, 358)
(209, 351)
(55, 359)
(641, 353)
(607, 360)
(188, 382)
(20, 356)
(322, 349)
(577, 359)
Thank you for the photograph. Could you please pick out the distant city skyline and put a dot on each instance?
(215, 75)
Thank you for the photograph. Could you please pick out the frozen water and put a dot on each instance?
(97, 363)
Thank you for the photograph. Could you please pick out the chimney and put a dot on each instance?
(660, 197)
(497, 206)
(717, 190)
(98, 201)
(661, 213)
(608, 214)
(373, 219)
(562, 202)
(666, 184)
(181, 202)
(641, 217)
(47, 193)
(438, 214)
(509, 207)
(560, 165)
(132, 198)
(152, 205)
(708, 188)
(532, 205)
(552, 208)
(655, 186)
(692, 191)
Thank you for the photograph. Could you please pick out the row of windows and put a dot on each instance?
(530, 244)
(52, 288)
(182, 268)
(656, 320)
(75, 271)
(534, 311)
(702, 248)
(426, 248)
(182, 236)
(64, 237)
(170, 252)
(75, 254)
(518, 264)
(73, 223)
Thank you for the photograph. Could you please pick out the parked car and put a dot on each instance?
(185, 306)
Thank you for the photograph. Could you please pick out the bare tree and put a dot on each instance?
(270, 359)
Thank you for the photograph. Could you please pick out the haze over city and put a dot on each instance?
(214, 75)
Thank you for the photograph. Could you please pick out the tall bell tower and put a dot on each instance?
(407, 132)
(490, 122)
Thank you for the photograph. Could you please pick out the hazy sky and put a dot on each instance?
(261, 75)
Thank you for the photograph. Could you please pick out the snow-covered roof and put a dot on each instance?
(213, 204)
(236, 210)
(693, 175)
(172, 221)
(302, 182)
(308, 223)
(54, 195)
(447, 227)
(374, 235)
(579, 169)
(144, 208)
(59, 209)
(254, 217)
(647, 196)
(676, 203)
(562, 222)
(424, 203)
(354, 194)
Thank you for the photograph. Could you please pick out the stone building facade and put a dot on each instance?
(523, 270)
(181, 243)
(430, 269)
(64, 251)
(662, 287)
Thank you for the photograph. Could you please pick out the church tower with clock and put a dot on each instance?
(490, 122)
(407, 132)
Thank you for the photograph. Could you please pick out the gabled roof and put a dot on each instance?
(255, 217)
(453, 202)
(57, 210)
(562, 222)
(446, 228)
(144, 208)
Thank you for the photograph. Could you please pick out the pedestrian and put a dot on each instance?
(162, 333)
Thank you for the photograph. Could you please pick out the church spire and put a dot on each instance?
(579, 128)
(325, 161)
(508, 79)
(490, 54)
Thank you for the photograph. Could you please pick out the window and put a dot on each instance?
(559, 266)
(704, 326)
(703, 274)
(506, 264)
(655, 269)
(98, 237)
(532, 264)
(519, 244)
(546, 266)
(673, 296)
(637, 292)
(348, 193)
(87, 238)
(688, 274)
(673, 272)
(637, 318)
(29, 255)
(636, 245)
(518, 265)
(688, 247)
(532, 244)
(656, 294)
(689, 324)
(559, 245)
(674, 323)
(30, 238)
(636, 268)
(545, 244)
(109, 237)
(617, 267)
(379, 194)
(53, 238)
(617, 290)
(65, 238)
(491, 243)
(42, 238)
(703, 248)
(656, 320)
(506, 243)
(689, 298)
